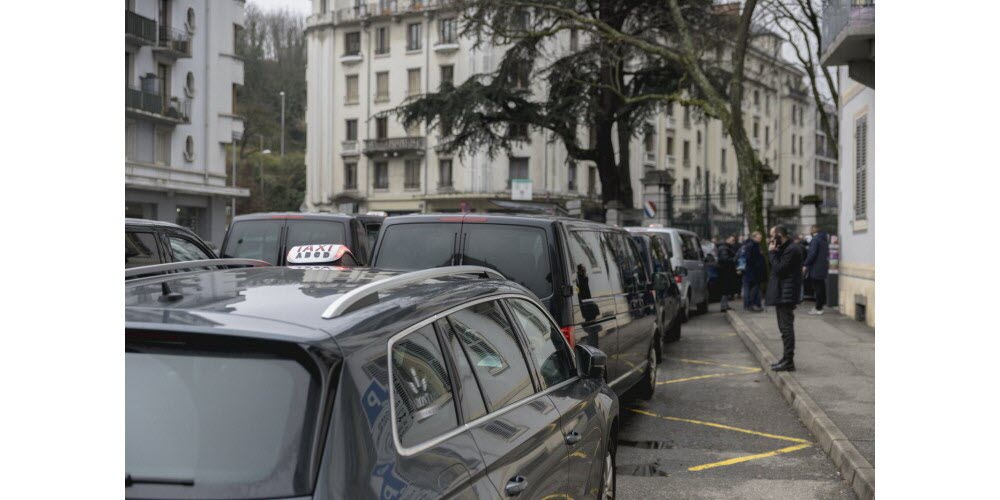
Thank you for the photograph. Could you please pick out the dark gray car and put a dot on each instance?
(316, 382)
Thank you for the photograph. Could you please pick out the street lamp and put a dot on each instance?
(260, 163)
(768, 178)
(282, 94)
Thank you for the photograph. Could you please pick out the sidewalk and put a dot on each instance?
(834, 387)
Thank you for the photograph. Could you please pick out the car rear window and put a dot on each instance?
(417, 246)
(520, 253)
(235, 424)
(316, 232)
(255, 239)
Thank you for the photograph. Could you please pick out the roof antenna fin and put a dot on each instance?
(169, 295)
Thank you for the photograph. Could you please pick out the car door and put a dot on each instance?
(520, 438)
(620, 363)
(594, 320)
(634, 339)
(183, 249)
(695, 266)
(573, 396)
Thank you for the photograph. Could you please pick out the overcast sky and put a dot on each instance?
(300, 6)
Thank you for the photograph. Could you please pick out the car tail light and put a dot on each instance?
(567, 332)
(678, 278)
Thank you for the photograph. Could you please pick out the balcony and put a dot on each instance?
(349, 148)
(173, 43)
(849, 38)
(367, 12)
(141, 103)
(395, 146)
(139, 30)
(650, 158)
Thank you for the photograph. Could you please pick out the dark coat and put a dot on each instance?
(753, 274)
(728, 282)
(818, 257)
(785, 283)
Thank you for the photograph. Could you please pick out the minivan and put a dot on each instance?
(689, 260)
(269, 236)
(589, 276)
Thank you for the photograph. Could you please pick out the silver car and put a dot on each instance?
(688, 259)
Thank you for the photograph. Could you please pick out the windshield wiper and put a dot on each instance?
(178, 481)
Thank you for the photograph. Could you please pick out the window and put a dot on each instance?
(687, 153)
(470, 398)
(413, 82)
(425, 406)
(690, 247)
(767, 104)
(189, 148)
(767, 134)
(756, 98)
(794, 114)
(413, 39)
(382, 86)
(590, 274)
(494, 353)
(381, 127)
(793, 173)
(697, 177)
(447, 76)
(571, 176)
(141, 249)
(545, 343)
(352, 43)
(417, 246)
(190, 20)
(801, 149)
(322, 6)
(670, 145)
(412, 174)
(130, 132)
(350, 176)
(444, 173)
(670, 108)
(517, 169)
(305, 232)
(793, 198)
(519, 252)
(756, 128)
(162, 146)
(256, 239)
(793, 143)
(352, 90)
(722, 160)
(518, 130)
(520, 77)
(351, 130)
(381, 175)
(591, 137)
(699, 139)
(189, 84)
(574, 39)
(686, 191)
(185, 250)
(722, 193)
(382, 40)
(687, 117)
(446, 30)
(592, 181)
(800, 174)
(613, 262)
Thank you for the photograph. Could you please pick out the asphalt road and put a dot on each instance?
(718, 428)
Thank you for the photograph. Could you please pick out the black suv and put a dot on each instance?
(269, 236)
(590, 276)
(362, 383)
(150, 242)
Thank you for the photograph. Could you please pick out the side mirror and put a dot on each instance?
(661, 281)
(591, 361)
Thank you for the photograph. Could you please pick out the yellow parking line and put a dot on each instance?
(713, 363)
(699, 377)
(720, 426)
(747, 458)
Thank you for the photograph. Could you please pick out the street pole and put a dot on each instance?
(260, 165)
(232, 147)
(282, 124)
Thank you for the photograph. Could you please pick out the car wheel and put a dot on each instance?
(609, 477)
(703, 306)
(658, 342)
(647, 386)
(686, 309)
(674, 333)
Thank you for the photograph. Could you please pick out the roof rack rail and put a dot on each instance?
(142, 271)
(344, 302)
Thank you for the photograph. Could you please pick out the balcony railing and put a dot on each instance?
(349, 147)
(394, 146)
(140, 28)
(174, 109)
(837, 14)
(174, 41)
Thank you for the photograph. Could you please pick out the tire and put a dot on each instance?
(686, 309)
(658, 342)
(647, 386)
(608, 488)
(674, 333)
(703, 307)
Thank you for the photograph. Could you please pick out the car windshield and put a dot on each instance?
(417, 246)
(315, 232)
(519, 252)
(255, 239)
(229, 424)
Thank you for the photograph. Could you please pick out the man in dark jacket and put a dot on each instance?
(753, 272)
(783, 290)
(727, 271)
(817, 266)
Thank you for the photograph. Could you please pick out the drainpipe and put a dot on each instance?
(427, 87)
(206, 98)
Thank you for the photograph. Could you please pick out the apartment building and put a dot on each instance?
(365, 59)
(181, 76)
(849, 45)
(827, 174)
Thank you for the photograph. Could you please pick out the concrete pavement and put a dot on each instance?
(833, 389)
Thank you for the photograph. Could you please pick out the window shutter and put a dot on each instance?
(861, 169)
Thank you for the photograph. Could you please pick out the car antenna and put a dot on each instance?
(169, 295)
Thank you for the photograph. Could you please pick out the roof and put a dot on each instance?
(498, 218)
(639, 229)
(296, 215)
(158, 223)
(287, 303)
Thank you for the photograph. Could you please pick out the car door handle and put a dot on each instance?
(516, 486)
(573, 438)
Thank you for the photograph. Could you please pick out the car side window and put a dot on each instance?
(494, 352)
(691, 251)
(185, 249)
(589, 270)
(545, 343)
(659, 258)
(360, 241)
(614, 260)
(425, 406)
(141, 249)
(471, 398)
(637, 264)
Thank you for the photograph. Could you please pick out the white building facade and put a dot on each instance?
(181, 77)
(364, 60)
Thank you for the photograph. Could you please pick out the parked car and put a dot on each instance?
(653, 249)
(588, 275)
(269, 236)
(689, 260)
(369, 384)
(150, 242)
(708, 249)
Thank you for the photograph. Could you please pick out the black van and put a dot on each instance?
(269, 236)
(590, 276)
(149, 242)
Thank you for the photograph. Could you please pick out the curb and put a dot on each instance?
(854, 468)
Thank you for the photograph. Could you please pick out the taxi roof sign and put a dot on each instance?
(316, 254)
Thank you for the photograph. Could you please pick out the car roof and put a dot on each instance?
(153, 223)
(664, 230)
(287, 303)
(495, 218)
(296, 215)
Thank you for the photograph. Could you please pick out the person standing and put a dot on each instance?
(727, 271)
(816, 267)
(753, 272)
(783, 290)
